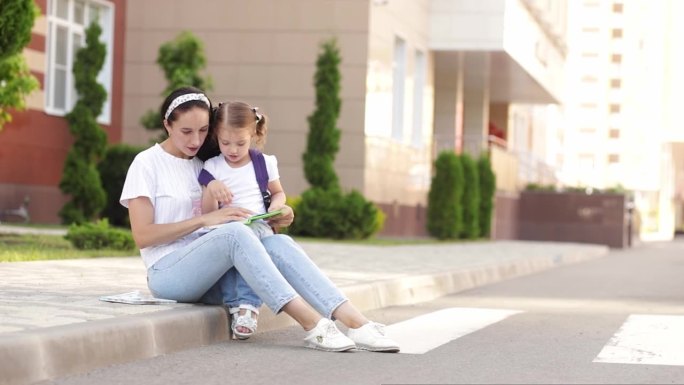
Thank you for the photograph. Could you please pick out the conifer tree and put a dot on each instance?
(324, 136)
(81, 179)
(324, 210)
(181, 60)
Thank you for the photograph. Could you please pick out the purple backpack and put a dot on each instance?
(259, 170)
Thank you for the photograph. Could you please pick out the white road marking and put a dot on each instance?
(647, 339)
(423, 333)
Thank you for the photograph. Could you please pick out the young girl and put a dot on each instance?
(240, 127)
(237, 127)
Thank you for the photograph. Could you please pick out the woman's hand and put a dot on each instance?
(220, 192)
(226, 214)
(283, 220)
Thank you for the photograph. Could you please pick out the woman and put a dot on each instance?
(163, 197)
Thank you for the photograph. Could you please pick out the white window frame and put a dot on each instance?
(419, 75)
(398, 87)
(75, 30)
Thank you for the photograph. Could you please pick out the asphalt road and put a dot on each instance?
(570, 326)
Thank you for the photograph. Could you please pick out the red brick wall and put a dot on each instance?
(403, 221)
(35, 144)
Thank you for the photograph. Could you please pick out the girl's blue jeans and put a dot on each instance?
(240, 293)
(276, 268)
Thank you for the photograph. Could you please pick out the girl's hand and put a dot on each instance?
(283, 220)
(226, 214)
(220, 192)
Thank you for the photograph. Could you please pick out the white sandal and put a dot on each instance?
(243, 320)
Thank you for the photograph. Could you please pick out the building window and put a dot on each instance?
(589, 79)
(615, 83)
(398, 85)
(418, 90)
(614, 133)
(616, 58)
(617, 7)
(616, 33)
(67, 21)
(613, 158)
(586, 162)
(614, 108)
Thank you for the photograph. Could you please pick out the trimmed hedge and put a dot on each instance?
(470, 199)
(444, 211)
(487, 191)
(99, 235)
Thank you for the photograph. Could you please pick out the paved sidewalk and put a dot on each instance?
(52, 323)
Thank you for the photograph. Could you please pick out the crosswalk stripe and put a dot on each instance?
(423, 333)
(646, 339)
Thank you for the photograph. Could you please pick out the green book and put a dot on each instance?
(262, 216)
(250, 219)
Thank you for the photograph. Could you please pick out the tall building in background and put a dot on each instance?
(616, 129)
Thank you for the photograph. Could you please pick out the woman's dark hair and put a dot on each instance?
(185, 106)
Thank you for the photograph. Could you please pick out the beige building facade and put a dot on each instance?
(418, 77)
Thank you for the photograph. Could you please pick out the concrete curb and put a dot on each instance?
(32, 356)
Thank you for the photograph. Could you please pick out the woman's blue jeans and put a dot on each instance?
(276, 268)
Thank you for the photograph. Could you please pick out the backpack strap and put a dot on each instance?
(261, 174)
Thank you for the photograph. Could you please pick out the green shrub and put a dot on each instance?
(99, 235)
(487, 191)
(315, 213)
(16, 21)
(471, 198)
(444, 211)
(539, 187)
(361, 217)
(330, 214)
(16, 80)
(113, 169)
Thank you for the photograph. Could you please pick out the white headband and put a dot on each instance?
(183, 99)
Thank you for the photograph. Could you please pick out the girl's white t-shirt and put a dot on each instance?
(242, 181)
(171, 185)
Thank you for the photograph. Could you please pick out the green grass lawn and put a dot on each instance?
(31, 247)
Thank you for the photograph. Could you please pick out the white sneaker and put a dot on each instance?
(326, 336)
(371, 337)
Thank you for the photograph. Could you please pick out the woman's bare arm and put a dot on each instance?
(146, 233)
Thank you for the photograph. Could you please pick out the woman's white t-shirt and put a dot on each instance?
(242, 181)
(171, 185)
